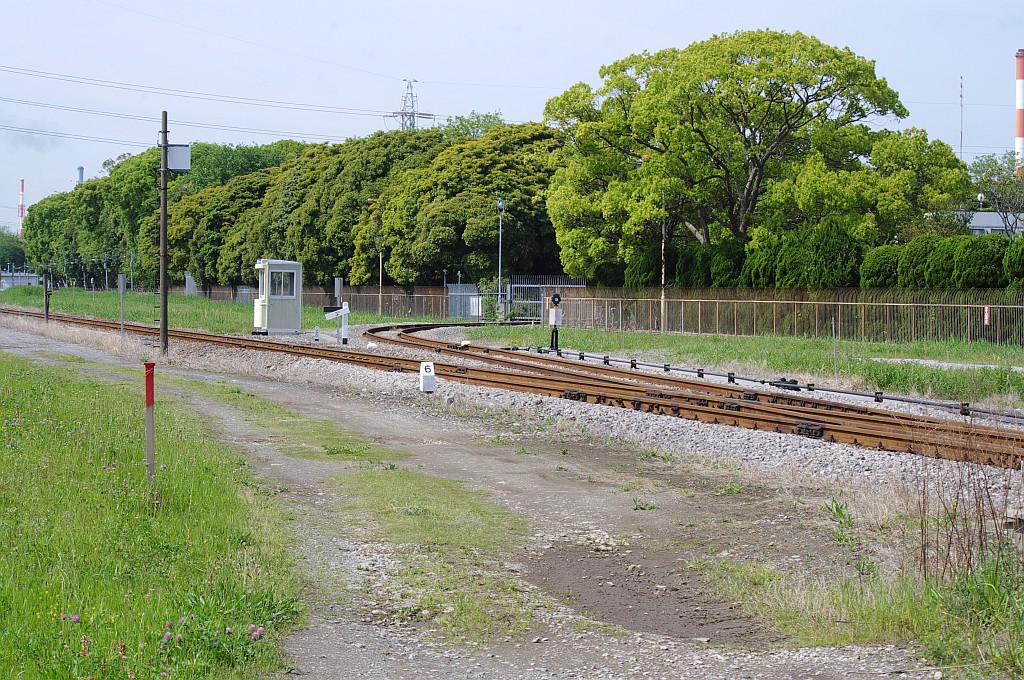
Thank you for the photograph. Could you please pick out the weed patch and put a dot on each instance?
(450, 541)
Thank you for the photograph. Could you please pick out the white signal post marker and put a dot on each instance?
(427, 377)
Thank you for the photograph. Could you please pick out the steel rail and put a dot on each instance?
(810, 417)
(559, 366)
(883, 430)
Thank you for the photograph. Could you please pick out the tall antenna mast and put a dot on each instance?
(961, 117)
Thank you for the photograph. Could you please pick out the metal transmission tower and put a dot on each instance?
(410, 109)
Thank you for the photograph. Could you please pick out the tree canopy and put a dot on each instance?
(697, 136)
(1002, 189)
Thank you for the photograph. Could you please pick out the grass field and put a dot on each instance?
(108, 575)
(215, 316)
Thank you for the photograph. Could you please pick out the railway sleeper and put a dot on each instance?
(812, 430)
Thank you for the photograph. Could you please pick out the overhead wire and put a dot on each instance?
(156, 119)
(68, 135)
(189, 94)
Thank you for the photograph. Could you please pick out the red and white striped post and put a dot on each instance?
(1019, 141)
(150, 455)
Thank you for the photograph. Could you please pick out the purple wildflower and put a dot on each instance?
(179, 638)
(76, 618)
(182, 620)
(260, 631)
(167, 635)
(167, 625)
(228, 630)
(63, 617)
(252, 628)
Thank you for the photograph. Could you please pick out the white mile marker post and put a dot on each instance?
(427, 377)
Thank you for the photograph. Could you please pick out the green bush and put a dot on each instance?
(644, 269)
(1013, 263)
(938, 271)
(880, 267)
(913, 264)
(978, 263)
(835, 257)
(793, 257)
(762, 259)
(693, 266)
(726, 263)
(823, 255)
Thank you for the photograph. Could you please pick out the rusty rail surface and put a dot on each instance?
(959, 440)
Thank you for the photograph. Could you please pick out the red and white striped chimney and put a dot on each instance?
(1019, 146)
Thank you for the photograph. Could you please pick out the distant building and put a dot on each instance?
(8, 279)
(989, 222)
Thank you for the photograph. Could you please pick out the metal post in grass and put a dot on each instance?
(150, 454)
(835, 349)
(121, 288)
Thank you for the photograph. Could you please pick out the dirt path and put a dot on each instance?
(617, 535)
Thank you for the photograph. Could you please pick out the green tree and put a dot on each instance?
(473, 125)
(445, 215)
(12, 250)
(697, 136)
(919, 186)
(1002, 189)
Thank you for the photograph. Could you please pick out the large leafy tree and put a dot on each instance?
(12, 251)
(473, 125)
(697, 136)
(445, 215)
(1002, 189)
(312, 205)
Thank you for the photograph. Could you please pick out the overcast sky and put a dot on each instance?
(466, 56)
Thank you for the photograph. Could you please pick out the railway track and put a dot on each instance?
(667, 395)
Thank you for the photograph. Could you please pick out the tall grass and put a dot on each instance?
(957, 592)
(105, 574)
